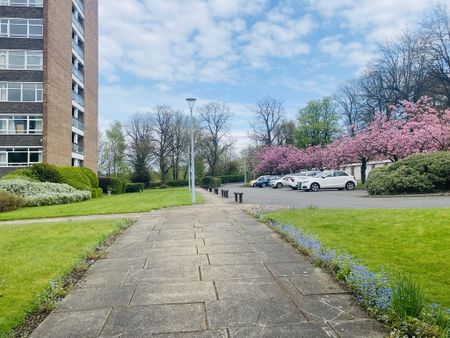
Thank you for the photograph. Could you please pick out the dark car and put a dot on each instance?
(262, 183)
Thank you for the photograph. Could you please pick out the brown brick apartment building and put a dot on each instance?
(48, 83)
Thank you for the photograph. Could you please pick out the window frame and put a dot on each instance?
(15, 150)
(28, 118)
(38, 91)
(28, 3)
(5, 54)
(7, 22)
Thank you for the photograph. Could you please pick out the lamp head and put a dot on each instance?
(191, 102)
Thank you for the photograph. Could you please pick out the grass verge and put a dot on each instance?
(411, 242)
(116, 204)
(36, 259)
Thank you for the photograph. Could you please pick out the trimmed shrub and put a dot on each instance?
(46, 173)
(97, 193)
(44, 193)
(114, 184)
(135, 187)
(75, 177)
(142, 176)
(91, 175)
(178, 183)
(211, 182)
(419, 173)
(9, 202)
(21, 174)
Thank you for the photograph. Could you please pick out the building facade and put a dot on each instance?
(48, 83)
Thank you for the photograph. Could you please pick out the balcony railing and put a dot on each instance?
(79, 4)
(77, 123)
(78, 74)
(78, 48)
(78, 24)
(76, 148)
(78, 99)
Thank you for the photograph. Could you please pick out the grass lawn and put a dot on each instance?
(126, 203)
(32, 255)
(414, 242)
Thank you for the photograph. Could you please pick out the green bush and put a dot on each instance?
(91, 175)
(9, 202)
(232, 178)
(419, 173)
(178, 183)
(46, 173)
(142, 176)
(155, 185)
(115, 185)
(97, 193)
(21, 174)
(75, 177)
(44, 193)
(211, 182)
(135, 187)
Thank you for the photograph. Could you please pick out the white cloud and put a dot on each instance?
(377, 20)
(194, 39)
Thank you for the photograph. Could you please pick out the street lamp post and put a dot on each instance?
(191, 103)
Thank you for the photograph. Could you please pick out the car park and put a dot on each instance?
(263, 183)
(334, 179)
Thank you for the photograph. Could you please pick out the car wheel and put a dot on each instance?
(264, 185)
(253, 185)
(279, 185)
(314, 187)
(294, 188)
(350, 186)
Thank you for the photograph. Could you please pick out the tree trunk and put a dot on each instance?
(363, 170)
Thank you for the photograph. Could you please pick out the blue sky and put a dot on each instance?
(237, 51)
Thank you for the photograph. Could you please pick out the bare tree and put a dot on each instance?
(269, 114)
(139, 134)
(162, 124)
(437, 30)
(214, 120)
(180, 141)
(348, 99)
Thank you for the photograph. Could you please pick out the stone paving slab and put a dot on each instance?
(206, 271)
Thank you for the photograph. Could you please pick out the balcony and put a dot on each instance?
(78, 49)
(78, 99)
(77, 123)
(76, 148)
(80, 4)
(78, 24)
(78, 74)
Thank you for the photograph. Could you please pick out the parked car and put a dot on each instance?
(335, 179)
(253, 182)
(295, 179)
(279, 182)
(265, 182)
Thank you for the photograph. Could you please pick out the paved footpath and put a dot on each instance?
(206, 271)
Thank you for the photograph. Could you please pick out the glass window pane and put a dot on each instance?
(3, 58)
(3, 126)
(29, 92)
(3, 158)
(18, 157)
(14, 94)
(20, 126)
(18, 29)
(34, 60)
(17, 60)
(36, 30)
(35, 127)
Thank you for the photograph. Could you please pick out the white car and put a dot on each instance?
(335, 179)
(294, 180)
(280, 182)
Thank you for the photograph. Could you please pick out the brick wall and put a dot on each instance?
(91, 83)
(21, 12)
(21, 75)
(21, 108)
(21, 140)
(57, 138)
(16, 43)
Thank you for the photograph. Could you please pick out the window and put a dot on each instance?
(21, 60)
(21, 92)
(21, 28)
(340, 173)
(21, 124)
(22, 3)
(20, 156)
